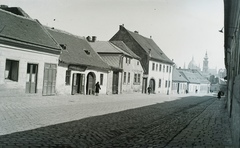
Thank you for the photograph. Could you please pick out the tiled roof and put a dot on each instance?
(107, 47)
(198, 75)
(125, 48)
(112, 61)
(148, 44)
(191, 77)
(19, 29)
(77, 49)
(177, 76)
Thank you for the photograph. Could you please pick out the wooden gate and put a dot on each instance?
(78, 83)
(115, 83)
(152, 85)
(31, 83)
(91, 84)
(49, 79)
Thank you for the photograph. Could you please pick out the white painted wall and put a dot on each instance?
(61, 88)
(156, 74)
(24, 56)
(134, 67)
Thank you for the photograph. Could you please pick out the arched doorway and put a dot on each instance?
(152, 85)
(91, 79)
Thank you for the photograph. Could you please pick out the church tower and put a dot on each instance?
(205, 63)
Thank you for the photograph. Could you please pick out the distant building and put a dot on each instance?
(126, 69)
(179, 82)
(205, 64)
(156, 65)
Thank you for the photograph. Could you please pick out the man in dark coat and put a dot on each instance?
(97, 87)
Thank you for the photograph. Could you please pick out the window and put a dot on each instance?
(153, 66)
(139, 78)
(160, 67)
(101, 79)
(129, 77)
(169, 82)
(11, 70)
(137, 62)
(87, 51)
(68, 77)
(160, 83)
(163, 68)
(156, 67)
(167, 69)
(166, 84)
(135, 78)
(124, 77)
(129, 60)
(170, 69)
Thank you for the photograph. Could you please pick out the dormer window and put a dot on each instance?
(87, 51)
(64, 46)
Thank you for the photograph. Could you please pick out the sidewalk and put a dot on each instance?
(30, 112)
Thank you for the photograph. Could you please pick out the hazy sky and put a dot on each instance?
(182, 28)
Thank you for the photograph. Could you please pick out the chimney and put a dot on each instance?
(88, 38)
(150, 37)
(136, 32)
(121, 27)
(94, 38)
(3, 6)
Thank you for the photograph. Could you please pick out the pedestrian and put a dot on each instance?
(196, 91)
(149, 89)
(97, 87)
(220, 93)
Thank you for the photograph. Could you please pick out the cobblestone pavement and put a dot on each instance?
(187, 122)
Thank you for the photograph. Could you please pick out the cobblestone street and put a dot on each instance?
(191, 121)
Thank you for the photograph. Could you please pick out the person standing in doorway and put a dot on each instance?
(97, 88)
(149, 89)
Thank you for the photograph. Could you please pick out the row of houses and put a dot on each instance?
(36, 59)
(189, 81)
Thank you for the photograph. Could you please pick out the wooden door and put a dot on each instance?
(90, 84)
(31, 83)
(49, 79)
(152, 85)
(74, 84)
(115, 83)
(144, 85)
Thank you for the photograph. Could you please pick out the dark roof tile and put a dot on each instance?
(77, 49)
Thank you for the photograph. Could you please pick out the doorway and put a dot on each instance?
(152, 85)
(78, 83)
(91, 80)
(115, 83)
(49, 79)
(31, 83)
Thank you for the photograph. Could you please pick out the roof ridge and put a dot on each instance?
(18, 16)
(63, 31)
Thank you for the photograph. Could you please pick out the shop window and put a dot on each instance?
(139, 78)
(11, 70)
(160, 83)
(129, 77)
(101, 79)
(124, 77)
(68, 77)
(135, 78)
